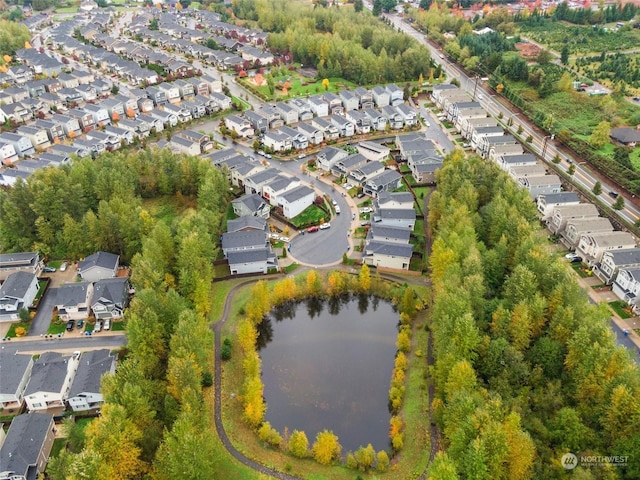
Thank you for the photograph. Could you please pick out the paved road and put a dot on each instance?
(111, 341)
(625, 341)
(44, 314)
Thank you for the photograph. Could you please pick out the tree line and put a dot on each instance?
(154, 422)
(339, 42)
(526, 369)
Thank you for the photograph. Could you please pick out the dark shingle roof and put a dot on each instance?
(99, 259)
(296, 193)
(20, 450)
(12, 368)
(390, 248)
(246, 239)
(246, 222)
(248, 256)
(48, 374)
(91, 367)
(71, 294)
(113, 290)
(17, 284)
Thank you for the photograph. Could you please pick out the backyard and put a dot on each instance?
(291, 85)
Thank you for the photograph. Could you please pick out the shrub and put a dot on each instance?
(20, 331)
(207, 379)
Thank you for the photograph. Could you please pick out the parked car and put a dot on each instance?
(338, 210)
(365, 223)
(107, 324)
(70, 325)
(335, 204)
(324, 226)
(366, 210)
(48, 269)
(613, 194)
(98, 326)
(63, 267)
(312, 229)
(80, 323)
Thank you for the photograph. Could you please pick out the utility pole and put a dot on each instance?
(544, 147)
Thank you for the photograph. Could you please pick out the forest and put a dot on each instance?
(339, 42)
(526, 369)
(154, 417)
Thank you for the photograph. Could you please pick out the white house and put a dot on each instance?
(15, 371)
(73, 300)
(626, 286)
(373, 151)
(50, 382)
(296, 200)
(547, 202)
(388, 254)
(593, 245)
(328, 156)
(17, 293)
(85, 389)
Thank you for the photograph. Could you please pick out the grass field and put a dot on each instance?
(299, 86)
(167, 208)
(312, 215)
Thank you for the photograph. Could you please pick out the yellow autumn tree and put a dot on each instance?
(364, 278)
(254, 406)
(285, 290)
(313, 282)
(325, 83)
(326, 448)
(298, 444)
(336, 283)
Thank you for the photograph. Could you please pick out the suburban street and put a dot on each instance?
(42, 320)
(28, 345)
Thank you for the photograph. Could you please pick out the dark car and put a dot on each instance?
(48, 269)
(613, 194)
(70, 325)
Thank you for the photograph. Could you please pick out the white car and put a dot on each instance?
(335, 204)
(285, 239)
(338, 210)
(63, 267)
(98, 327)
(324, 226)
(107, 324)
(366, 210)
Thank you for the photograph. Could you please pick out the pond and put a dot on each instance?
(328, 365)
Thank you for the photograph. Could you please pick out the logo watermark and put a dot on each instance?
(570, 461)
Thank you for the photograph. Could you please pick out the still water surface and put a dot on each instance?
(327, 365)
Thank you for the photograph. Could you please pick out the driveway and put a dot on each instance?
(41, 321)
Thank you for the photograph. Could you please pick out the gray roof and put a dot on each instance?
(387, 231)
(17, 284)
(71, 294)
(625, 134)
(390, 248)
(525, 157)
(370, 167)
(281, 182)
(111, 290)
(246, 221)
(22, 446)
(48, 374)
(253, 201)
(99, 259)
(12, 368)
(244, 239)
(264, 176)
(248, 256)
(400, 197)
(92, 366)
(385, 178)
(627, 256)
(352, 160)
(296, 193)
(633, 272)
(561, 197)
(397, 213)
(22, 259)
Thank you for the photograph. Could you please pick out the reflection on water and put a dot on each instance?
(330, 368)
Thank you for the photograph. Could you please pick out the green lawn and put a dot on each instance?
(620, 308)
(241, 102)
(118, 326)
(312, 215)
(56, 327)
(167, 208)
(299, 86)
(58, 445)
(12, 329)
(290, 268)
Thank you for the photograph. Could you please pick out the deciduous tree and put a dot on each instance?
(326, 448)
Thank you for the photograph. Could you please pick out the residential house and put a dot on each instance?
(247, 223)
(184, 145)
(70, 150)
(68, 81)
(155, 124)
(313, 134)
(298, 140)
(84, 117)
(114, 107)
(26, 448)
(393, 117)
(100, 114)
(328, 156)
(98, 266)
(16, 112)
(122, 134)
(499, 150)
(203, 140)
(381, 96)
(378, 122)
(464, 116)
(318, 106)
(468, 124)
(296, 200)
(386, 233)
(135, 126)
(277, 141)
(254, 183)
(343, 167)
(391, 255)
(70, 96)
(38, 136)
(365, 98)
(87, 92)
(197, 109)
(441, 92)
(394, 201)
(518, 173)
(167, 118)
(395, 217)
(592, 246)
(55, 131)
(373, 151)
(627, 136)
(8, 154)
(259, 122)
(22, 145)
(350, 100)
(288, 114)
(507, 162)
(344, 126)
(272, 115)
(18, 94)
(182, 113)
(171, 92)
(248, 252)
(17, 293)
(15, 371)
(408, 114)
(31, 165)
(86, 393)
(334, 102)
(272, 190)
(361, 121)
(541, 184)
(557, 222)
(54, 159)
(615, 260)
(242, 126)
(329, 131)
(70, 125)
(251, 204)
(424, 168)
(10, 177)
(479, 134)
(73, 300)
(626, 286)
(583, 226)
(359, 176)
(50, 381)
(158, 96)
(186, 89)
(302, 107)
(221, 100)
(386, 181)
(109, 141)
